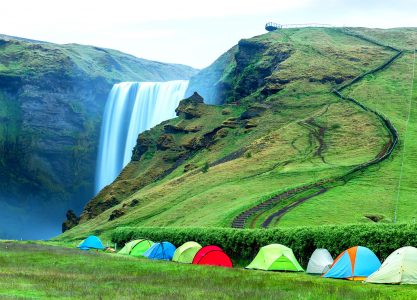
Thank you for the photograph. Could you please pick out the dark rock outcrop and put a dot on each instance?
(143, 144)
(232, 123)
(174, 129)
(178, 129)
(71, 221)
(134, 203)
(165, 141)
(189, 167)
(253, 63)
(252, 112)
(207, 82)
(117, 213)
(189, 108)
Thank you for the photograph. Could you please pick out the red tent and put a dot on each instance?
(213, 256)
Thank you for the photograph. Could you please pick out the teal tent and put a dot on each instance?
(92, 242)
(355, 263)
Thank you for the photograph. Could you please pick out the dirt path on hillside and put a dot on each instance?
(318, 133)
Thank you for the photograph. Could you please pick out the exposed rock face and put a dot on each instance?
(189, 108)
(51, 102)
(253, 74)
(253, 112)
(165, 142)
(207, 82)
(222, 133)
(134, 202)
(253, 62)
(143, 144)
(173, 129)
(231, 123)
(179, 129)
(117, 213)
(189, 167)
(72, 221)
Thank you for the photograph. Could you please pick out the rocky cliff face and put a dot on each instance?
(208, 82)
(51, 102)
(241, 71)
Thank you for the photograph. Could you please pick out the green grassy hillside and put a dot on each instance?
(281, 142)
(379, 190)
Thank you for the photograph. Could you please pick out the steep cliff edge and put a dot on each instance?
(51, 103)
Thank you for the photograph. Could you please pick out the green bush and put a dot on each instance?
(205, 167)
(243, 244)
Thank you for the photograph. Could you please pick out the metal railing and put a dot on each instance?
(306, 25)
(271, 26)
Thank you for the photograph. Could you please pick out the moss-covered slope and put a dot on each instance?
(51, 102)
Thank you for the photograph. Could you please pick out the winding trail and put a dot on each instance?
(322, 186)
(317, 132)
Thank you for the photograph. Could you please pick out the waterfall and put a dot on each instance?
(131, 108)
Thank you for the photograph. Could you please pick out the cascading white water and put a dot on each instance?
(131, 108)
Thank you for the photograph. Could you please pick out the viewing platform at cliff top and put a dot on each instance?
(271, 26)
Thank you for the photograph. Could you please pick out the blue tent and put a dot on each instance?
(355, 263)
(92, 242)
(164, 251)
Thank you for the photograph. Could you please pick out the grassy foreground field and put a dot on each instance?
(42, 271)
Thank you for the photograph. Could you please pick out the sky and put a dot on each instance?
(190, 32)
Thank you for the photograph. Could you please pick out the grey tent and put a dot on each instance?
(320, 262)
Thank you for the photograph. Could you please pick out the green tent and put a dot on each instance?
(136, 247)
(185, 254)
(275, 257)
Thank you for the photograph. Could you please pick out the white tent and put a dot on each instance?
(320, 262)
(399, 267)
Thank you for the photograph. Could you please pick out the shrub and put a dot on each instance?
(243, 244)
(335, 126)
(205, 167)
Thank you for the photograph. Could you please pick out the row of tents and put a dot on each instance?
(356, 263)
(190, 252)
